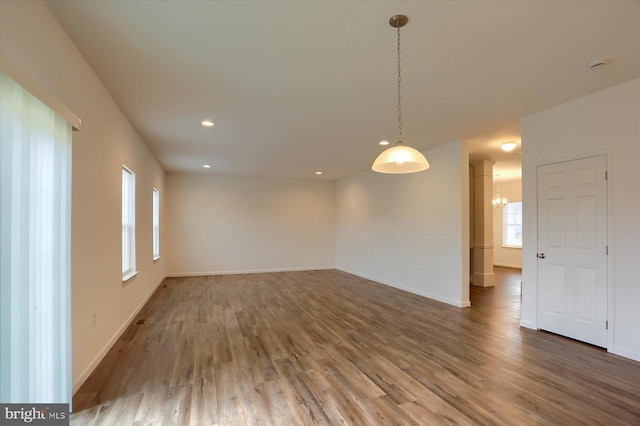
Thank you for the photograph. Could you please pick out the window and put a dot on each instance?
(156, 224)
(128, 224)
(35, 248)
(512, 225)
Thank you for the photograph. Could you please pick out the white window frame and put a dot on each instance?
(508, 223)
(128, 224)
(156, 224)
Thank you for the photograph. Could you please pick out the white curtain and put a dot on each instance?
(35, 250)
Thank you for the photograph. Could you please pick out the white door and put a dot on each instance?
(572, 249)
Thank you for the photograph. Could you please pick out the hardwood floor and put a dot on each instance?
(326, 347)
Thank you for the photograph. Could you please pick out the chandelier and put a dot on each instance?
(498, 201)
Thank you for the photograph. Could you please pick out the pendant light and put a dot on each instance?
(400, 158)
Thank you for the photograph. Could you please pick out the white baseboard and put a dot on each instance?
(528, 324)
(616, 350)
(92, 366)
(625, 352)
(508, 265)
(247, 271)
(456, 303)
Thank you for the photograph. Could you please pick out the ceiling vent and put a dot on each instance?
(597, 63)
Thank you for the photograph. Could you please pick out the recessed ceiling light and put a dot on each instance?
(318, 173)
(508, 146)
(207, 123)
(384, 142)
(206, 166)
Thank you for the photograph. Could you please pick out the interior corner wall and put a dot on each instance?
(409, 231)
(232, 224)
(510, 257)
(31, 38)
(604, 123)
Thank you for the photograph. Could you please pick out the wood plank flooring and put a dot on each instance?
(326, 347)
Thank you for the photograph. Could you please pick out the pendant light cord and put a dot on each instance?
(399, 94)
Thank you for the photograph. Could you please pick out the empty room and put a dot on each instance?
(320, 212)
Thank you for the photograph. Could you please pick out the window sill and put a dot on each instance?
(156, 258)
(128, 276)
(512, 247)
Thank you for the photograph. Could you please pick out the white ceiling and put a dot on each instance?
(299, 86)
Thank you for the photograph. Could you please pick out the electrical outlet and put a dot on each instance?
(93, 318)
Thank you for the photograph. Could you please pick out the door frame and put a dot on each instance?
(530, 248)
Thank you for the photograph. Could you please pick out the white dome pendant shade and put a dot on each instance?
(400, 159)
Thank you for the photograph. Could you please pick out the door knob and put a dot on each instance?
(541, 255)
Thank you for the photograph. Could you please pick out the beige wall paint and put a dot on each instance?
(604, 123)
(32, 39)
(403, 231)
(227, 224)
(409, 231)
(505, 256)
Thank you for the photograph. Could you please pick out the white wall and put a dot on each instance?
(32, 39)
(409, 231)
(505, 256)
(607, 122)
(227, 224)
